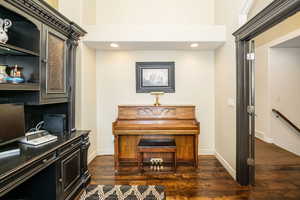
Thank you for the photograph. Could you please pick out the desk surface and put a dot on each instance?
(29, 154)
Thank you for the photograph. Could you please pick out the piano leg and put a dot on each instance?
(117, 163)
(175, 162)
(196, 150)
(141, 160)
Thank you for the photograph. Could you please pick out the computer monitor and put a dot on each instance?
(12, 123)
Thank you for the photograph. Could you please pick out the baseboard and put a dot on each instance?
(206, 151)
(92, 156)
(104, 152)
(262, 136)
(226, 165)
(287, 149)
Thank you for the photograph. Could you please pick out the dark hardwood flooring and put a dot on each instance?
(278, 177)
(277, 171)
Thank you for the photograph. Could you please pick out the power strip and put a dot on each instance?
(36, 138)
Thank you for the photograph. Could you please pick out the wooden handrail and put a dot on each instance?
(286, 119)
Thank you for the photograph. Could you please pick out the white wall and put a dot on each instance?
(142, 12)
(225, 85)
(116, 85)
(151, 20)
(257, 6)
(85, 78)
(71, 10)
(262, 93)
(137, 12)
(86, 109)
(155, 33)
(285, 96)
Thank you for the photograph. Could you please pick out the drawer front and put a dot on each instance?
(27, 172)
(69, 147)
(70, 173)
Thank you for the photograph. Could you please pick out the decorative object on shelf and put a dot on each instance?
(4, 25)
(3, 74)
(155, 76)
(157, 94)
(15, 75)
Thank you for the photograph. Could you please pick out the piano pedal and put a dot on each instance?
(160, 164)
(152, 164)
(156, 164)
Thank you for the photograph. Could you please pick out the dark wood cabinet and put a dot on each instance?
(43, 43)
(84, 162)
(54, 67)
(70, 173)
(58, 174)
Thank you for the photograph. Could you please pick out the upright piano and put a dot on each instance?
(162, 122)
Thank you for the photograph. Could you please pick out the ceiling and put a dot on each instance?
(155, 36)
(292, 43)
(184, 45)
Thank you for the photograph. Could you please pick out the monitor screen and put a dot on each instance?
(12, 123)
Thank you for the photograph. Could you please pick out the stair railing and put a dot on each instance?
(279, 114)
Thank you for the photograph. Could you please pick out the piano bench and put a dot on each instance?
(156, 146)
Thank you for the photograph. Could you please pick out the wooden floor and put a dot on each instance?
(278, 177)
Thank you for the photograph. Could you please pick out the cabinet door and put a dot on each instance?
(70, 174)
(54, 67)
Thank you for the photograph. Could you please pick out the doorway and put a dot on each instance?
(277, 105)
(272, 15)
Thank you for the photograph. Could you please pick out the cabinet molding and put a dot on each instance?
(42, 11)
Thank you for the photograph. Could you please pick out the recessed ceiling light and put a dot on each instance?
(114, 45)
(194, 45)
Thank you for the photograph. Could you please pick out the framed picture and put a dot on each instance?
(155, 77)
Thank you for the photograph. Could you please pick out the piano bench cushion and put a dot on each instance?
(157, 143)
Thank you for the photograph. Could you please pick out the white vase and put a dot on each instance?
(4, 25)
(3, 75)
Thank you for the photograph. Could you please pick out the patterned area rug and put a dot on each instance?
(123, 192)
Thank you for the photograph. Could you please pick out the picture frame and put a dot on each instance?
(155, 77)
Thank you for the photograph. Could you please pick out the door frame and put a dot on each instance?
(270, 16)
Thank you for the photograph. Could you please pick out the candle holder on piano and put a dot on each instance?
(157, 95)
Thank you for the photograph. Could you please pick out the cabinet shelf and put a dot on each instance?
(20, 87)
(6, 49)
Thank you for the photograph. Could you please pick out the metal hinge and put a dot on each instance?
(250, 161)
(251, 109)
(250, 56)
